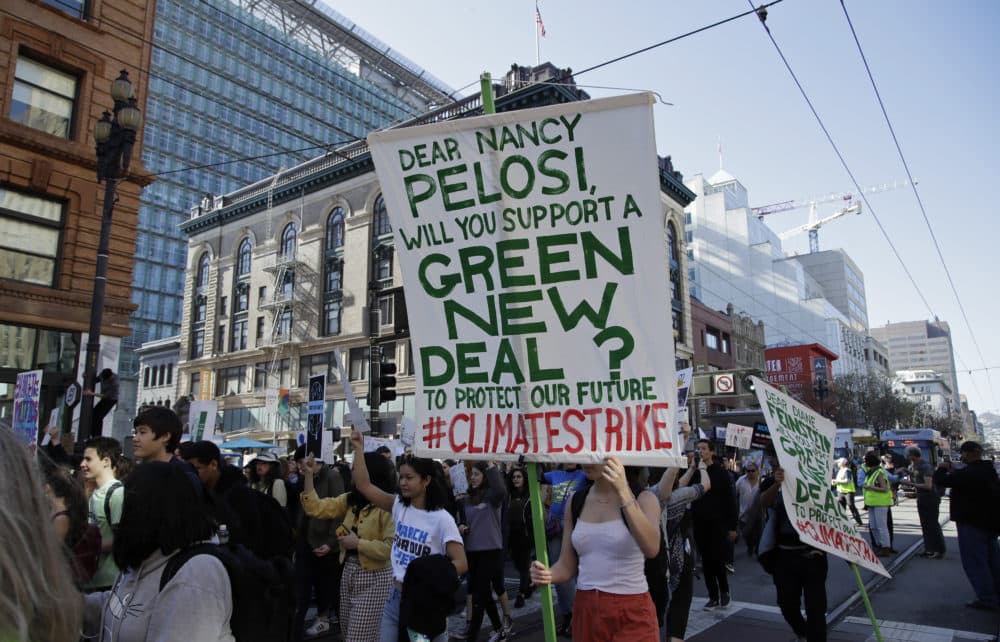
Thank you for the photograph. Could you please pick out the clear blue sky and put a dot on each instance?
(936, 65)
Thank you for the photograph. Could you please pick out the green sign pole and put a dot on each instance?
(868, 603)
(537, 515)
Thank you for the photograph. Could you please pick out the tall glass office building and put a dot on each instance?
(271, 81)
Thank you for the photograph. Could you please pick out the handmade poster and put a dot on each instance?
(533, 244)
(27, 391)
(202, 417)
(316, 411)
(803, 440)
(738, 436)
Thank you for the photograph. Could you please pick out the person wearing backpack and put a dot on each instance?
(605, 549)
(252, 518)
(162, 515)
(365, 539)
(799, 570)
(100, 457)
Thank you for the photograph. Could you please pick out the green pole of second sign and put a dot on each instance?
(534, 488)
(868, 603)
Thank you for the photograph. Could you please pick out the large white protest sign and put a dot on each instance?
(803, 440)
(739, 436)
(533, 244)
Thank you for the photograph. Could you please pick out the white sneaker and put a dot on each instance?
(318, 628)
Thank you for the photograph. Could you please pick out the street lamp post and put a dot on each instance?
(115, 135)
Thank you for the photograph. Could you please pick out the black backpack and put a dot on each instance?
(656, 568)
(263, 590)
(274, 534)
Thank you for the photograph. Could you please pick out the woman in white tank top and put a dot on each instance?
(606, 549)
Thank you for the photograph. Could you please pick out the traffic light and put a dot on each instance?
(387, 381)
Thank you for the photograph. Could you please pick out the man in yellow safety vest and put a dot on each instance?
(878, 499)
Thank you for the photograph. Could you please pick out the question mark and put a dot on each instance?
(615, 357)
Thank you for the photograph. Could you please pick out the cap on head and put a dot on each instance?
(970, 447)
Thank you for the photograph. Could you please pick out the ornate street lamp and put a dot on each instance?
(115, 135)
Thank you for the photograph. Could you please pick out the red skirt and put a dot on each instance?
(609, 617)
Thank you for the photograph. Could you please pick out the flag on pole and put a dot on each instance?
(538, 19)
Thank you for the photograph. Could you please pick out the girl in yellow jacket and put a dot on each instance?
(365, 541)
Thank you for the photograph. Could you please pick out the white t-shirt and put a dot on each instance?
(418, 533)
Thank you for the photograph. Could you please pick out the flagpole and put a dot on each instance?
(538, 51)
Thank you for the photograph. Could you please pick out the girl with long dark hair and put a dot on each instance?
(265, 476)
(162, 514)
(365, 541)
(422, 525)
(519, 532)
(617, 530)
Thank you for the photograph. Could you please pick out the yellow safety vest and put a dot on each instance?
(874, 497)
(845, 481)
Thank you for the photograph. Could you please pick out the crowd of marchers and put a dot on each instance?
(181, 545)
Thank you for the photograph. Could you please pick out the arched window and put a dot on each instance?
(288, 239)
(380, 220)
(676, 300)
(672, 244)
(382, 250)
(335, 230)
(243, 258)
(202, 277)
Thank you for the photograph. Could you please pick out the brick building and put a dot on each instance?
(57, 62)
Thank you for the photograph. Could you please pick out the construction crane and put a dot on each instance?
(813, 225)
(845, 197)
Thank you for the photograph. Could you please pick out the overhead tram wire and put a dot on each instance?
(674, 39)
(916, 193)
(354, 138)
(762, 15)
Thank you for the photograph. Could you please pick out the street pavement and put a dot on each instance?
(923, 602)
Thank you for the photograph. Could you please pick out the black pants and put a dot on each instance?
(846, 500)
(799, 574)
(679, 607)
(520, 554)
(484, 569)
(101, 411)
(319, 574)
(928, 507)
(713, 546)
